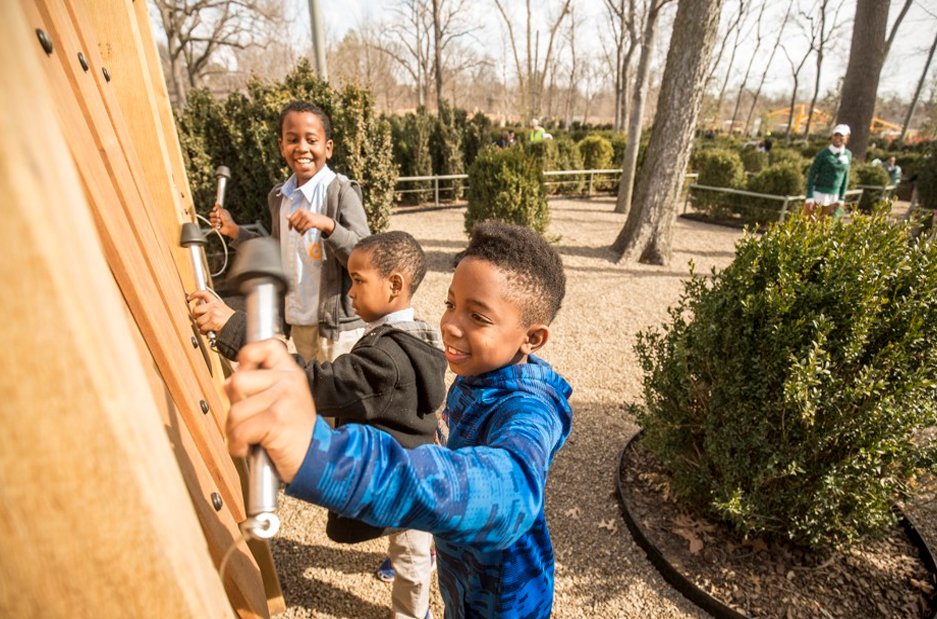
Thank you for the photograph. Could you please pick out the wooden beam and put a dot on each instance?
(95, 514)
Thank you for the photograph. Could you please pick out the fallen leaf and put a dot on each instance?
(611, 525)
(573, 513)
(696, 544)
(757, 544)
(926, 587)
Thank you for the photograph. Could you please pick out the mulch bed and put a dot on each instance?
(775, 580)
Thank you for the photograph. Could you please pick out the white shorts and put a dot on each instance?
(825, 199)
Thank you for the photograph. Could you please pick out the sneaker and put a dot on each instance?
(385, 571)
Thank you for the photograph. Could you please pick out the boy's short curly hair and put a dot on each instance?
(305, 106)
(533, 268)
(395, 251)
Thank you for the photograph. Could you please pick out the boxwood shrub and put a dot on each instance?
(872, 175)
(718, 167)
(507, 185)
(786, 393)
(782, 179)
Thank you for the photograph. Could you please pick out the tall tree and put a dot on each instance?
(531, 70)
(647, 235)
(860, 86)
(636, 116)
(917, 92)
(437, 54)
(764, 75)
(826, 26)
(197, 30)
(751, 61)
(622, 21)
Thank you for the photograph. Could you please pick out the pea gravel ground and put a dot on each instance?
(600, 572)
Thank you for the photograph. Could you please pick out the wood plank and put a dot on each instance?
(112, 28)
(243, 581)
(96, 518)
(127, 250)
(98, 103)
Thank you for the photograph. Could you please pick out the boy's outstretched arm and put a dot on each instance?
(270, 406)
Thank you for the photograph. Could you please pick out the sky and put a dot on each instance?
(899, 76)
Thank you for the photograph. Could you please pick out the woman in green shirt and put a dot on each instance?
(828, 176)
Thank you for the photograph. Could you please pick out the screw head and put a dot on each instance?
(194, 342)
(83, 61)
(45, 41)
(204, 406)
(216, 501)
(107, 74)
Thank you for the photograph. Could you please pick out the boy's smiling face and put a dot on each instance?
(482, 327)
(303, 144)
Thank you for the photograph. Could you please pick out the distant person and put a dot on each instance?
(507, 413)
(893, 169)
(512, 138)
(537, 133)
(317, 216)
(504, 141)
(829, 176)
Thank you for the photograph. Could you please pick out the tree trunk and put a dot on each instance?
(917, 93)
(860, 86)
(437, 49)
(647, 235)
(630, 162)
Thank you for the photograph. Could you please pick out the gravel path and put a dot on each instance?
(600, 572)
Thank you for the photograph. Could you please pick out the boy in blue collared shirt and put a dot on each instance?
(507, 414)
(318, 217)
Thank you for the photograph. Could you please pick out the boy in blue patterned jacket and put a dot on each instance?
(507, 413)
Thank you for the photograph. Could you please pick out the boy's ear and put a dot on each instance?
(397, 283)
(537, 336)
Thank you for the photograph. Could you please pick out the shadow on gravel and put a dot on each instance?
(316, 595)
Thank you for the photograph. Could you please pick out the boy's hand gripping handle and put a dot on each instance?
(193, 240)
(222, 173)
(258, 274)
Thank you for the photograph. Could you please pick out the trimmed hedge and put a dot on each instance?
(241, 133)
(782, 179)
(786, 393)
(507, 185)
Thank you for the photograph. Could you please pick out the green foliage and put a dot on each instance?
(786, 155)
(782, 179)
(411, 135)
(476, 134)
(446, 146)
(546, 152)
(507, 185)
(619, 145)
(568, 158)
(596, 152)
(927, 181)
(718, 167)
(872, 175)
(786, 393)
(754, 160)
(241, 133)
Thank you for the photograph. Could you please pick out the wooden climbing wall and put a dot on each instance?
(117, 495)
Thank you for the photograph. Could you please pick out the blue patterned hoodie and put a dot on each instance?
(482, 497)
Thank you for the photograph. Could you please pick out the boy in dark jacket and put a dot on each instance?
(507, 412)
(394, 380)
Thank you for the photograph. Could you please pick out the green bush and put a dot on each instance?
(596, 152)
(926, 168)
(718, 167)
(507, 185)
(754, 160)
(568, 158)
(782, 179)
(786, 393)
(546, 152)
(411, 135)
(446, 146)
(786, 155)
(241, 133)
(619, 145)
(871, 175)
